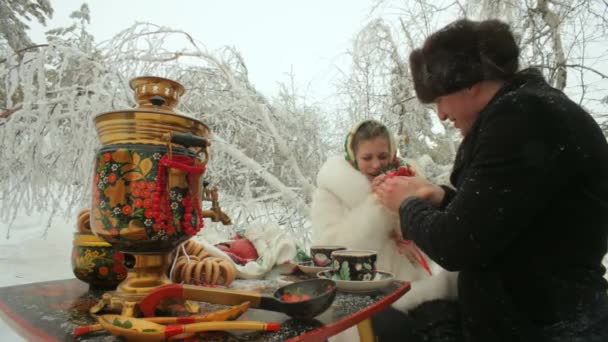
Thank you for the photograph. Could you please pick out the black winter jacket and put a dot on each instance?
(527, 225)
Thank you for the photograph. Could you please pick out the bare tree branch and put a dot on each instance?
(20, 51)
(8, 112)
(576, 66)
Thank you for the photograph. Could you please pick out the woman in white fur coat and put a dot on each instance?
(346, 212)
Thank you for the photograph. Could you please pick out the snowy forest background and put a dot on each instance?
(266, 149)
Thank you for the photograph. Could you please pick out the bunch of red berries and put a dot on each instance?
(402, 171)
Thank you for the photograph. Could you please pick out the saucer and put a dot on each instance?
(380, 280)
(309, 268)
(287, 268)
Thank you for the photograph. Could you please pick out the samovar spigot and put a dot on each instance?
(215, 213)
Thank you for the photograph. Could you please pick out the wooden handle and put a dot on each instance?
(206, 294)
(230, 325)
(220, 296)
(85, 329)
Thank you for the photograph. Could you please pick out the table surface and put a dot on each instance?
(50, 311)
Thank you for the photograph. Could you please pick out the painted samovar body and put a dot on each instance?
(147, 186)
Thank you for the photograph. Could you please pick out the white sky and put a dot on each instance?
(273, 36)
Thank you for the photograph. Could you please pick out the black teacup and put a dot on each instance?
(321, 254)
(354, 264)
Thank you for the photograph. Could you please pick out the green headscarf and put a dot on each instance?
(349, 153)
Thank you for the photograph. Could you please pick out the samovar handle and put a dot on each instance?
(188, 140)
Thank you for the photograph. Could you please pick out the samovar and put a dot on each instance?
(147, 186)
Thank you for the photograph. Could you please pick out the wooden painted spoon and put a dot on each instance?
(136, 329)
(229, 314)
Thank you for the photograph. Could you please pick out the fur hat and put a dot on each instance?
(462, 54)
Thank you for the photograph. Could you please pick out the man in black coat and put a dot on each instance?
(526, 222)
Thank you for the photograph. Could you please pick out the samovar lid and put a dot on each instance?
(153, 117)
(154, 94)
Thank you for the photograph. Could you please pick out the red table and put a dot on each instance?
(49, 311)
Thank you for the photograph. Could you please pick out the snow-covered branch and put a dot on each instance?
(288, 194)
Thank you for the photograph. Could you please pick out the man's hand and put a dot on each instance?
(392, 191)
(431, 192)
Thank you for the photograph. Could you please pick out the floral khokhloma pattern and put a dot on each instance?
(359, 270)
(98, 266)
(126, 201)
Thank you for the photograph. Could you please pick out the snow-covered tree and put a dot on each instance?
(265, 153)
(51, 92)
(379, 86)
(75, 35)
(566, 40)
(13, 28)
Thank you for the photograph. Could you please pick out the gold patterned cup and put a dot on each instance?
(96, 262)
(321, 254)
(354, 264)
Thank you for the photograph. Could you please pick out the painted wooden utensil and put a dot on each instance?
(314, 296)
(136, 329)
(229, 314)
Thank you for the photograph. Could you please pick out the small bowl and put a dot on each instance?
(97, 263)
(287, 268)
(320, 294)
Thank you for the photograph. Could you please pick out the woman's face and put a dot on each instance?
(372, 156)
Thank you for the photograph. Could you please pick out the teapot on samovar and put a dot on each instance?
(147, 189)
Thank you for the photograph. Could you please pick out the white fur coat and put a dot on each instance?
(345, 212)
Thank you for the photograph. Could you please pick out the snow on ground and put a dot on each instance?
(28, 257)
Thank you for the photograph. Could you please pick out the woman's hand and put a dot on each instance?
(392, 191)
(379, 179)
